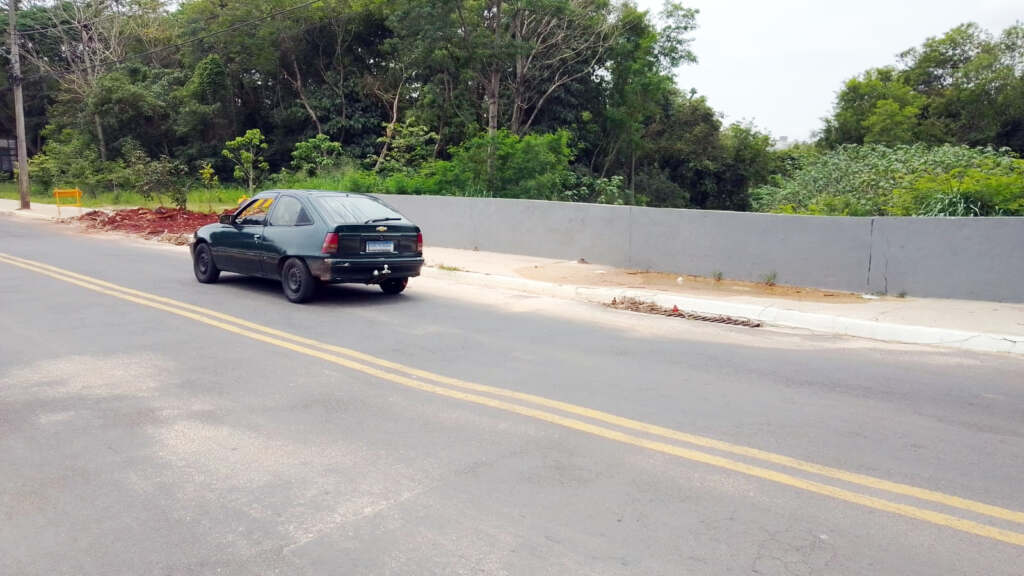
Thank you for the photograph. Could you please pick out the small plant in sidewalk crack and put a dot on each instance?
(770, 278)
(717, 276)
(448, 268)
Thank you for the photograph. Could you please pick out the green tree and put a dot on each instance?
(682, 146)
(892, 124)
(641, 88)
(246, 153)
(166, 177)
(315, 155)
(963, 87)
(131, 103)
(204, 116)
(867, 105)
(81, 41)
(410, 147)
(746, 161)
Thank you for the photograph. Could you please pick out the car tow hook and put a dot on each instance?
(383, 272)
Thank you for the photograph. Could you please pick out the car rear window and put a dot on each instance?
(353, 209)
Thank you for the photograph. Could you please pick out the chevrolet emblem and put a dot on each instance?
(382, 228)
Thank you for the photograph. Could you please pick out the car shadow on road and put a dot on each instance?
(330, 294)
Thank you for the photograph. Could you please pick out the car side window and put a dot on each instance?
(255, 213)
(288, 211)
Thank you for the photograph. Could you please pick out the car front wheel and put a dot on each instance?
(394, 286)
(299, 285)
(203, 265)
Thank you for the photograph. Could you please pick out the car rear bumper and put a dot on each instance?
(365, 271)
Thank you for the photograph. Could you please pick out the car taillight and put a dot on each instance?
(419, 242)
(330, 243)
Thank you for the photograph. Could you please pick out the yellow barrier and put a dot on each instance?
(67, 194)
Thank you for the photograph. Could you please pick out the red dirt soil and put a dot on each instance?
(145, 222)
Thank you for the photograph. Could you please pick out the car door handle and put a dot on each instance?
(257, 237)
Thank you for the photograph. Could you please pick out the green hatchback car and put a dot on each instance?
(306, 238)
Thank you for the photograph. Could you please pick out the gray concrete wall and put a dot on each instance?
(549, 229)
(801, 250)
(973, 258)
(970, 258)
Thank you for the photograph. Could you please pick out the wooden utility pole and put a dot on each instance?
(19, 108)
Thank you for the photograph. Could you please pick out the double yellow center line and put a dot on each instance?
(571, 416)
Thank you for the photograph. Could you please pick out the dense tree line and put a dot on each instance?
(553, 99)
(397, 83)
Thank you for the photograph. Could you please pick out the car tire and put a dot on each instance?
(394, 286)
(298, 284)
(203, 265)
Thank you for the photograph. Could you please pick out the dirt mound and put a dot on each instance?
(172, 224)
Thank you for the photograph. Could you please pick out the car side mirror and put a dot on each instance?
(227, 218)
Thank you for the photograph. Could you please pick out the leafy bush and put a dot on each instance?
(165, 176)
(531, 166)
(917, 180)
(361, 182)
(657, 185)
(992, 190)
(409, 147)
(66, 161)
(578, 187)
(401, 183)
(315, 155)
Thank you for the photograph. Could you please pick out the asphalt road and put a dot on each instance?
(456, 430)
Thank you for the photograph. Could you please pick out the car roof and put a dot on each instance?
(309, 193)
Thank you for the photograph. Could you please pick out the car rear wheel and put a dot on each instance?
(204, 267)
(298, 284)
(394, 286)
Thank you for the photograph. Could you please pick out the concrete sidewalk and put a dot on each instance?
(964, 324)
(41, 211)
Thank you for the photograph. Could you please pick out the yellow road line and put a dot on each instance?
(933, 517)
(779, 459)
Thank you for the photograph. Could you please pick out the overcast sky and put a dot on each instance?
(779, 63)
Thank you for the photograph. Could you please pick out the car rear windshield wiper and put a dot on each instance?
(375, 220)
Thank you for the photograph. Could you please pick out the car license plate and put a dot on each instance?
(380, 246)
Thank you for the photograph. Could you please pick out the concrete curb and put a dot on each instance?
(769, 315)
